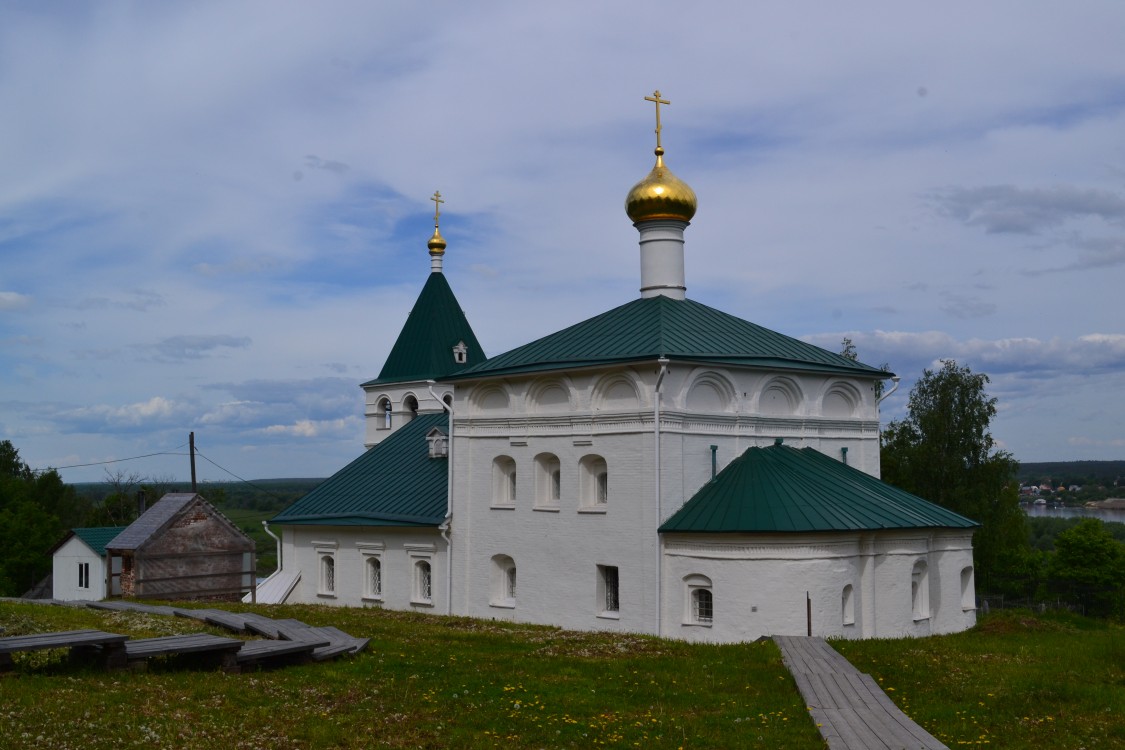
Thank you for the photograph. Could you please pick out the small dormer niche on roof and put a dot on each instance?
(460, 353)
(439, 443)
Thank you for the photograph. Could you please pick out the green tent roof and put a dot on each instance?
(648, 328)
(395, 483)
(97, 537)
(784, 489)
(424, 349)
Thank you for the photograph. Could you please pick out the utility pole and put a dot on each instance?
(191, 450)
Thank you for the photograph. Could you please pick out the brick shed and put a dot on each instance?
(181, 548)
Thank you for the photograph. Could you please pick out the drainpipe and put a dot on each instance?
(663, 362)
(266, 526)
(894, 388)
(445, 525)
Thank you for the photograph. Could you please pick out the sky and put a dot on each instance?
(214, 215)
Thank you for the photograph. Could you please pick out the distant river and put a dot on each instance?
(1106, 514)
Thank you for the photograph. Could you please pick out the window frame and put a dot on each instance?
(609, 592)
(696, 586)
(504, 482)
(548, 482)
(968, 589)
(84, 575)
(327, 578)
(919, 591)
(847, 605)
(372, 554)
(422, 582)
(503, 589)
(594, 486)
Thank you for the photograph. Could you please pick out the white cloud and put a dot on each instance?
(155, 230)
(14, 301)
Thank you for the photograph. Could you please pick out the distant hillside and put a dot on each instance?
(259, 494)
(1073, 472)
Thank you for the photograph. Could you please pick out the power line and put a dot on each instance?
(111, 461)
(244, 481)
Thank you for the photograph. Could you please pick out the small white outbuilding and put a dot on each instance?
(78, 563)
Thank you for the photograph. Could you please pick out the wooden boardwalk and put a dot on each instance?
(850, 709)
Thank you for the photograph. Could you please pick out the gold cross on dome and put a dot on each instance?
(655, 99)
(437, 206)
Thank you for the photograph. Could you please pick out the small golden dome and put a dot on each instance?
(436, 243)
(661, 195)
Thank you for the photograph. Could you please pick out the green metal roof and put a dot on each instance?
(424, 349)
(784, 489)
(97, 537)
(648, 328)
(395, 483)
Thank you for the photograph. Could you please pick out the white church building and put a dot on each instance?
(662, 467)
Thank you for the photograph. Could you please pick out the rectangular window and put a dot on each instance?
(83, 575)
(608, 590)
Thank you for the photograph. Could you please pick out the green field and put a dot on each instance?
(1017, 681)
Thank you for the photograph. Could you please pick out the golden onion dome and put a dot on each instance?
(661, 195)
(436, 243)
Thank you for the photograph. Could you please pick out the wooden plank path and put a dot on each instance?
(80, 643)
(224, 650)
(850, 709)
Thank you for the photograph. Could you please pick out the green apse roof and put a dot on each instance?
(783, 489)
(652, 327)
(395, 483)
(424, 349)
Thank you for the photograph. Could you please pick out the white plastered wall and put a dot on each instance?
(65, 564)
(398, 549)
(557, 550)
(759, 584)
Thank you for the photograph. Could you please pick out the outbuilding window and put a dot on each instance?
(84, 575)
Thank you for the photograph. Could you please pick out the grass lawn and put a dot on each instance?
(1016, 681)
(423, 681)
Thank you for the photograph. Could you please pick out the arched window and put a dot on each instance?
(374, 578)
(968, 589)
(847, 606)
(919, 594)
(384, 408)
(700, 600)
(411, 405)
(503, 482)
(423, 582)
(548, 480)
(702, 606)
(595, 482)
(327, 582)
(448, 399)
(503, 581)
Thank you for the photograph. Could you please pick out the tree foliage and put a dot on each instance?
(1089, 567)
(943, 451)
(35, 510)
